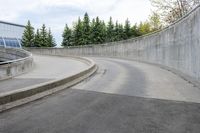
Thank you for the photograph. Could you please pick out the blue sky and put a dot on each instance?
(56, 13)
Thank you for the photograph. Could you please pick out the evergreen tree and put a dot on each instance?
(37, 39)
(127, 29)
(77, 33)
(110, 31)
(28, 36)
(135, 31)
(43, 37)
(67, 37)
(121, 32)
(92, 28)
(86, 30)
(117, 32)
(98, 34)
(50, 39)
(103, 31)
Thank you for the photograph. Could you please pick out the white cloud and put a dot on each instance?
(56, 13)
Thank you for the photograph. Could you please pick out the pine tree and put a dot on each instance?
(127, 30)
(117, 34)
(77, 33)
(86, 30)
(37, 39)
(135, 31)
(103, 31)
(43, 37)
(92, 28)
(50, 39)
(110, 31)
(121, 32)
(67, 36)
(98, 34)
(28, 36)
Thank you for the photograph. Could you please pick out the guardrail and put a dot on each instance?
(14, 62)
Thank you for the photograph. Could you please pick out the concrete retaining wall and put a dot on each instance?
(176, 47)
(14, 62)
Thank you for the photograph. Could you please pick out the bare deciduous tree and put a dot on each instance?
(171, 10)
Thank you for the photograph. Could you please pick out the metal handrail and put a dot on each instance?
(17, 60)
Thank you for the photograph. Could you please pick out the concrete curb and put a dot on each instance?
(15, 98)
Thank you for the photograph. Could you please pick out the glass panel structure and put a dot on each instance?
(10, 34)
(11, 42)
(11, 30)
(1, 42)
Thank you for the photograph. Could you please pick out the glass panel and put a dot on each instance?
(12, 31)
(1, 42)
(11, 42)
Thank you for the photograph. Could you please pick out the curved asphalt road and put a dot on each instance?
(122, 97)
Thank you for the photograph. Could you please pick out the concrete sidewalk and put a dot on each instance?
(46, 68)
